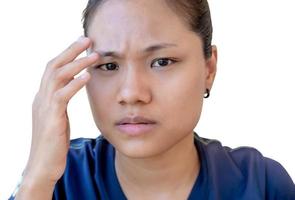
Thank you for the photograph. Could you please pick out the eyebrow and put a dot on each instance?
(149, 49)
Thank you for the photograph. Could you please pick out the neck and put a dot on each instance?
(177, 167)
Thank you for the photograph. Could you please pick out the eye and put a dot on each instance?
(162, 62)
(108, 67)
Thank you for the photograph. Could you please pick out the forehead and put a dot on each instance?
(136, 12)
(126, 23)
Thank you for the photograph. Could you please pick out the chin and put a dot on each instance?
(139, 149)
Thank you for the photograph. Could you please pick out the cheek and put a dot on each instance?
(101, 89)
(181, 99)
(101, 99)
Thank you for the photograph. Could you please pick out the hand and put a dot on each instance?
(51, 130)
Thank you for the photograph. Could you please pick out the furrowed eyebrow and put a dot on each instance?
(146, 50)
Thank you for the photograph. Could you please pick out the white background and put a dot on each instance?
(252, 102)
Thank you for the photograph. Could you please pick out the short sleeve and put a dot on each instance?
(279, 184)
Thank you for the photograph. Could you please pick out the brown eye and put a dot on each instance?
(162, 62)
(108, 67)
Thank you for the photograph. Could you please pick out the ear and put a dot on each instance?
(211, 68)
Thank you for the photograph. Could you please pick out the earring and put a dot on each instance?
(207, 93)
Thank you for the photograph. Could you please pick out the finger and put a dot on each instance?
(68, 55)
(63, 95)
(64, 75)
(67, 72)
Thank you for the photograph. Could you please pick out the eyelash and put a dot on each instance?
(172, 61)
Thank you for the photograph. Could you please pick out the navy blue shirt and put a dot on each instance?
(225, 173)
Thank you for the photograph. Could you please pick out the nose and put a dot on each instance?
(135, 88)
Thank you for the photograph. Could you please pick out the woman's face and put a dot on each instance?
(159, 73)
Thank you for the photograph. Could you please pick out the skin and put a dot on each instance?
(50, 129)
(162, 164)
(156, 163)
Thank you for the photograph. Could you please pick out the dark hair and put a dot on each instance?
(196, 13)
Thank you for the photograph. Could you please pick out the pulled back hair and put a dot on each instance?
(196, 14)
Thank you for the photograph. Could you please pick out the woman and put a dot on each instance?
(150, 63)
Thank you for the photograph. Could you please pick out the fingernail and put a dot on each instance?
(81, 38)
(84, 75)
(93, 54)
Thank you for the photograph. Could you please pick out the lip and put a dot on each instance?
(135, 120)
(135, 126)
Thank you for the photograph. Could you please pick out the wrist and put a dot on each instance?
(35, 181)
(33, 187)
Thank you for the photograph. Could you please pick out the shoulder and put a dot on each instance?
(241, 157)
(88, 150)
(278, 182)
(86, 163)
(81, 143)
(247, 168)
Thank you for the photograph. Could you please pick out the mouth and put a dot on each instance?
(135, 120)
(135, 126)
(135, 123)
